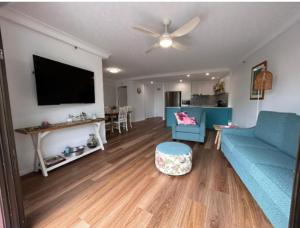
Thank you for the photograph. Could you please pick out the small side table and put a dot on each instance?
(218, 129)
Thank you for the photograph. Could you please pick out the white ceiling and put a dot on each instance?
(227, 34)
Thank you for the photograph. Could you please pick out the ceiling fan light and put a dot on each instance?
(166, 42)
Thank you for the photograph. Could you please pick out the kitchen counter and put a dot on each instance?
(214, 115)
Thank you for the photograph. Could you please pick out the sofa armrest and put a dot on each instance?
(239, 131)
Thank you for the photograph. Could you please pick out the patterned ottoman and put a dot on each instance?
(173, 158)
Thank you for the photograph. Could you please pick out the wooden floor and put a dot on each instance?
(120, 187)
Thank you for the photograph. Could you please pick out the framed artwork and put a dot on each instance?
(255, 94)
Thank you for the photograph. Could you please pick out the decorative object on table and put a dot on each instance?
(67, 151)
(51, 161)
(70, 118)
(256, 94)
(138, 90)
(83, 116)
(263, 81)
(73, 151)
(45, 124)
(92, 141)
(173, 158)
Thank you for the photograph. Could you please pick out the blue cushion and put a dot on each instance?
(261, 193)
(279, 129)
(173, 148)
(239, 140)
(188, 128)
(283, 178)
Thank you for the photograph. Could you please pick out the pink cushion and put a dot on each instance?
(183, 118)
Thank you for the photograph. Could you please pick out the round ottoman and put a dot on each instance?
(173, 158)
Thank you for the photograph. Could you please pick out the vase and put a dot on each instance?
(92, 141)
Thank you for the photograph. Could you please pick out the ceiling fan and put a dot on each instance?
(167, 40)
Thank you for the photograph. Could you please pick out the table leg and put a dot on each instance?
(219, 141)
(37, 140)
(97, 132)
(34, 138)
(217, 136)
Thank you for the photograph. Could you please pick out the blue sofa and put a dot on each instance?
(194, 133)
(264, 157)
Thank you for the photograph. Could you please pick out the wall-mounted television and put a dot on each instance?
(59, 83)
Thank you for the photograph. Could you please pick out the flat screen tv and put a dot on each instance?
(59, 83)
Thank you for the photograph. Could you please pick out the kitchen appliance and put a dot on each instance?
(173, 99)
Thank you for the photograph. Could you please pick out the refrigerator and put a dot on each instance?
(173, 99)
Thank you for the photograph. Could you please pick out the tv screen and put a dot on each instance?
(59, 83)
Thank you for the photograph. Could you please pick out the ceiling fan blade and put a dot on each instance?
(154, 46)
(178, 46)
(146, 31)
(186, 28)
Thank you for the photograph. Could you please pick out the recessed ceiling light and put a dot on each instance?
(113, 70)
(180, 80)
(213, 78)
(151, 82)
(188, 75)
(207, 74)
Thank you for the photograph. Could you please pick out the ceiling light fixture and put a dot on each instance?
(165, 41)
(213, 78)
(188, 75)
(151, 82)
(180, 80)
(113, 70)
(207, 74)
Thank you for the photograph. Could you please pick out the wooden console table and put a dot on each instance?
(38, 133)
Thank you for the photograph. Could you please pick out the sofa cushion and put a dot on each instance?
(193, 112)
(240, 140)
(272, 170)
(276, 128)
(281, 177)
(249, 156)
(188, 128)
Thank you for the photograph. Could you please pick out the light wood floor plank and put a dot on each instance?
(121, 187)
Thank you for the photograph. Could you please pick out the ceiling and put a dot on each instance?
(227, 34)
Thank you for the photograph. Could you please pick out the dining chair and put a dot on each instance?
(122, 120)
(129, 113)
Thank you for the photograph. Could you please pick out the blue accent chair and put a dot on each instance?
(194, 133)
(264, 157)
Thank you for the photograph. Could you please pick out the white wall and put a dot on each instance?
(149, 100)
(283, 55)
(20, 44)
(159, 100)
(203, 87)
(109, 93)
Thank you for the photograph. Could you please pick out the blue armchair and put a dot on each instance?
(194, 133)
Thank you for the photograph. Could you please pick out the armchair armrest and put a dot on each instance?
(239, 131)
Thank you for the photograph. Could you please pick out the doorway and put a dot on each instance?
(122, 96)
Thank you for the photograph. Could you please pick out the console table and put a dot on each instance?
(38, 133)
